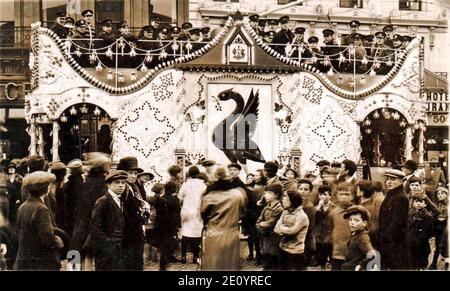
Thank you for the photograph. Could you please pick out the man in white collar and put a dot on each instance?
(107, 224)
(408, 168)
(348, 172)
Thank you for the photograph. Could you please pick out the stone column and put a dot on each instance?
(32, 133)
(41, 141)
(408, 143)
(421, 147)
(55, 145)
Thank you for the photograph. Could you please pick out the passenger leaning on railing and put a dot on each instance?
(79, 44)
(58, 27)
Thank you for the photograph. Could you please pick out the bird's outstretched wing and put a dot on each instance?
(250, 114)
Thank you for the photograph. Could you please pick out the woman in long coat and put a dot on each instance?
(222, 207)
(190, 196)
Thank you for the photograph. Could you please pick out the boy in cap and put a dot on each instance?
(38, 244)
(420, 230)
(359, 250)
(323, 227)
(392, 232)
(58, 27)
(266, 224)
(440, 223)
(108, 223)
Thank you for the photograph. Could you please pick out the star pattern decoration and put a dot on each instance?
(328, 131)
(146, 129)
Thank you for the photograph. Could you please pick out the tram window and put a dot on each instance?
(415, 5)
(350, 3)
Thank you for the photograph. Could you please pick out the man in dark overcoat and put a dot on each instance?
(393, 222)
(107, 225)
(38, 244)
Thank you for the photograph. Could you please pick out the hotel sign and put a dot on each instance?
(437, 108)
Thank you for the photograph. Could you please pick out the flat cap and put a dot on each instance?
(275, 188)
(357, 209)
(74, 164)
(36, 163)
(57, 166)
(234, 165)
(394, 173)
(150, 175)
(38, 180)
(208, 163)
(114, 175)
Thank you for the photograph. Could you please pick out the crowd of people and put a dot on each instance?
(156, 43)
(153, 44)
(330, 220)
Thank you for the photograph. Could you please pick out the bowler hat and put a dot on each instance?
(128, 164)
(38, 180)
(235, 165)
(87, 12)
(394, 173)
(275, 188)
(114, 175)
(97, 160)
(410, 165)
(355, 209)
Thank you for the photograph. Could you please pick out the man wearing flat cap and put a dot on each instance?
(393, 224)
(58, 27)
(38, 244)
(108, 224)
(135, 211)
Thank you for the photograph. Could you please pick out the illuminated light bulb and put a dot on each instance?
(368, 130)
(73, 111)
(163, 55)
(389, 63)
(327, 62)
(314, 59)
(92, 58)
(132, 52)
(63, 118)
(133, 76)
(148, 57)
(189, 45)
(367, 122)
(109, 75)
(351, 50)
(99, 67)
(364, 61)
(341, 58)
(120, 78)
(403, 123)
(96, 111)
(109, 53)
(143, 68)
(84, 109)
(175, 46)
(352, 83)
(400, 55)
(67, 44)
(372, 73)
(330, 72)
(363, 80)
(78, 52)
(340, 80)
(376, 114)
